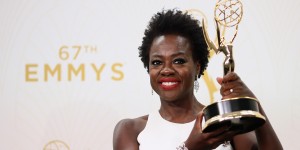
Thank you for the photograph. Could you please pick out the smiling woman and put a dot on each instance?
(175, 54)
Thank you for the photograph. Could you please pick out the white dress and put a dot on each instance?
(164, 135)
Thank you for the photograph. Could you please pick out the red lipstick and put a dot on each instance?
(168, 83)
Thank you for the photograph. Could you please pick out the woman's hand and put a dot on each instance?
(233, 86)
(204, 141)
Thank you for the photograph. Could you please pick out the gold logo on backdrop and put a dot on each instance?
(56, 145)
(210, 84)
(66, 70)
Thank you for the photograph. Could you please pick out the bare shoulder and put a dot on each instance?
(126, 132)
(132, 125)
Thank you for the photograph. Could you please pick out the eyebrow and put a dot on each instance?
(180, 52)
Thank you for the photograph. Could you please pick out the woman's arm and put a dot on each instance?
(124, 137)
(126, 133)
(266, 136)
(263, 137)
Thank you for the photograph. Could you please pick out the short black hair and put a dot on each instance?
(175, 22)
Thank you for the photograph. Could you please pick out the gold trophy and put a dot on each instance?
(240, 113)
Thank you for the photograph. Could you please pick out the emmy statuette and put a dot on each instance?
(241, 114)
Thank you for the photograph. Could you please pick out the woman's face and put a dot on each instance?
(172, 68)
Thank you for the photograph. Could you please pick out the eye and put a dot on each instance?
(179, 61)
(156, 62)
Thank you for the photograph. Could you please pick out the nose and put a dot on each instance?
(167, 70)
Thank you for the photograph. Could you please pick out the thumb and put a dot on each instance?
(198, 122)
(219, 80)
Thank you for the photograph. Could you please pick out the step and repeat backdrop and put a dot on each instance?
(69, 69)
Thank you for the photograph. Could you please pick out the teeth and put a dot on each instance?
(169, 83)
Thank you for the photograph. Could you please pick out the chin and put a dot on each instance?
(169, 98)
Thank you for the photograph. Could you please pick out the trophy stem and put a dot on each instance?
(228, 63)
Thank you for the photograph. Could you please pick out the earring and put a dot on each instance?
(196, 85)
(152, 91)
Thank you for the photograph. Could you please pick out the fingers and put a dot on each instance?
(230, 81)
(232, 86)
(227, 78)
(199, 140)
(196, 135)
(216, 133)
(220, 136)
(220, 80)
(226, 136)
(230, 77)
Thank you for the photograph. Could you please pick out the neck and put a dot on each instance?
(180, 111)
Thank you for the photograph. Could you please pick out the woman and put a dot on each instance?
(175, 55)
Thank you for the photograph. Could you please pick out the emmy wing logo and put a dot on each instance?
(56, 145)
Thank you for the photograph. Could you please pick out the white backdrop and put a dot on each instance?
(69, 70)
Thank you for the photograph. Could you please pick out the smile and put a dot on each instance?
(169, 85)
